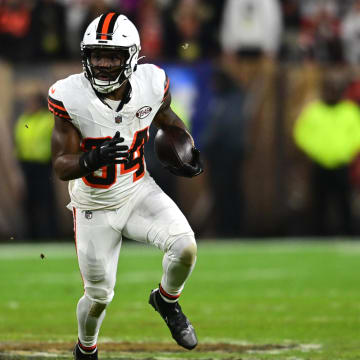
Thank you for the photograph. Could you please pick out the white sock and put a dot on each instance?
(90, 316)
(175, 273)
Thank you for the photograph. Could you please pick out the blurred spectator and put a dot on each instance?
(223, 146)
(151, 29)
(95, 9)
(320, 31)
(15, 25)
(49, 29)
(32, 141)
(352, 91)
(290, 49)
(190, 29)
(127, 7)
(328, 132)
(351, 34)
(291, 14)
(75, 13)
(251, 27)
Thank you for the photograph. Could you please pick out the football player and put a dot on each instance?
(102, 118)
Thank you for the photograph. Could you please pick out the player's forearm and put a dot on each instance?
(176, 121)
(168, 118)
(162, 121)
(67, 167)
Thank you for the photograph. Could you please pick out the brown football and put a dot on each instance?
(173, 146)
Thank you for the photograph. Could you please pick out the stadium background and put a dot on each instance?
(240, 80)
(279, 70)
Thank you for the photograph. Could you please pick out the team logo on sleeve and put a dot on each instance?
(143, 112)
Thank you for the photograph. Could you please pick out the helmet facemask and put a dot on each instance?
(119, 73)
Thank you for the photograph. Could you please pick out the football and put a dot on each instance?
(173, 147)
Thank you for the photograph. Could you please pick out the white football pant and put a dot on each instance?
(149, 217)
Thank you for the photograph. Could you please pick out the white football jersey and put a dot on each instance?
(74, 100)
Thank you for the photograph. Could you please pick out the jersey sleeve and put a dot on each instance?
(166, 88)
(161, 83)
(55, 102)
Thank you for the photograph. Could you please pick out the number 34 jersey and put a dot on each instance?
(74, 100)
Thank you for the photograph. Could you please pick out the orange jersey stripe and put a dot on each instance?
(167, 85)
(166, 89)
(58, 114)
(57, 106)
(105, 27)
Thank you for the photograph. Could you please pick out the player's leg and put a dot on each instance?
(98, 247)
(178, 263)
(156, 219)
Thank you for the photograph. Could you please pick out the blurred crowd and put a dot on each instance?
(242, 127)
(189, 30)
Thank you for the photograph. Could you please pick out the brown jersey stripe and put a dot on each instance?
(59, 113)
(56, 103)
(57, 109)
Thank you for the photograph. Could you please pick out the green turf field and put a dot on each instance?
(296, 300)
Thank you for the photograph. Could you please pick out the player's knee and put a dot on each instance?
(100, 295)
(188, 255)
(99, 284)
(184, 249)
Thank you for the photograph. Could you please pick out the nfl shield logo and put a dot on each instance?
(118, 119)
(88, 214)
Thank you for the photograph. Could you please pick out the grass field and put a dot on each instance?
(296, 300)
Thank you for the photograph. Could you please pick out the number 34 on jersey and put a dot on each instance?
(106, 176)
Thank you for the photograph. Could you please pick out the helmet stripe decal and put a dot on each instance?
(100, 26)
(106, 26)
(112, 25)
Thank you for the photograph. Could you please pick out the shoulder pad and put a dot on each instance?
(55, 100)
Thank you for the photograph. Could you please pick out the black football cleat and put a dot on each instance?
(180, 327)
(78, 355)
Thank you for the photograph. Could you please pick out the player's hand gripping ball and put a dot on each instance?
(174, 148)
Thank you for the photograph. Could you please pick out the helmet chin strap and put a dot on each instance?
(108, 89)
(106, 86)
